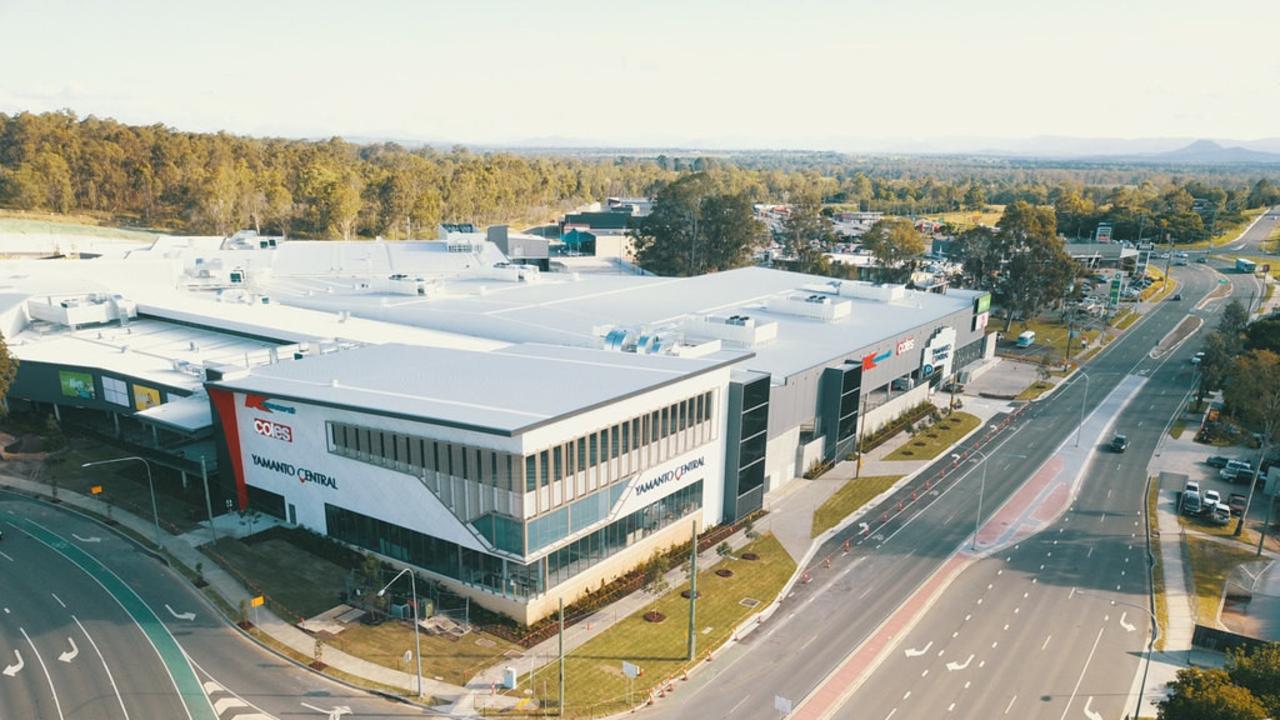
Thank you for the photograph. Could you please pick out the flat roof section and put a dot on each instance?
(148, 350)
(565, 311)
(524, 386)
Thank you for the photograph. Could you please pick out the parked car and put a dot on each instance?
(1191, 487)
(1197, 358)
(1217, 461)
(1190, 502)
(1119, 443)
(1236, 471)
(1212, 498)
(1236, 503)
(1217, 514)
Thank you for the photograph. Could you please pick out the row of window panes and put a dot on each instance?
(505, 577)
(634, 444)
(637, 443)
(409, 453)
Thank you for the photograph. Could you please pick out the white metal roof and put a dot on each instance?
(566, 310)
(502, 391)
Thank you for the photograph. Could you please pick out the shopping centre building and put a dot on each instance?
(518, 435)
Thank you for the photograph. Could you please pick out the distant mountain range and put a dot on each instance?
(1185, 151)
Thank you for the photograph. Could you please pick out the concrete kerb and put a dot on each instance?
(169, 561)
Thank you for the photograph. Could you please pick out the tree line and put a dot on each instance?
(156, 176)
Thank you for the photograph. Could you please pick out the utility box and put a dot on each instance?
(509, 678)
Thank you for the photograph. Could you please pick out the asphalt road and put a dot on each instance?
(1055, 626)
(147, 644)
(822, 622)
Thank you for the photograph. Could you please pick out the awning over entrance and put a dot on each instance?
(188, 415)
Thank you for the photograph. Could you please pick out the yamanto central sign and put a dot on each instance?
(302, 474)
(675, 474)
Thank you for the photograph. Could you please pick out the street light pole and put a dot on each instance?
(155, 511)
(417, 643)
(1084, 400)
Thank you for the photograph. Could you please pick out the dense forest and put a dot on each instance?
(155, 176)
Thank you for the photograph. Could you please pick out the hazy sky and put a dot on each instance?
(713, 73)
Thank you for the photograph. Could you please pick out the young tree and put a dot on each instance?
(1214, 366)
(897, 247)
(1209, 694)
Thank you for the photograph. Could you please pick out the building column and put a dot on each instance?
(115, 420)
(184, 479)
(155, 436)
(57, 413)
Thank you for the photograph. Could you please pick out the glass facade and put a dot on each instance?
(503, 576)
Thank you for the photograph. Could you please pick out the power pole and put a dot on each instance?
(693, 592)
(560, 710)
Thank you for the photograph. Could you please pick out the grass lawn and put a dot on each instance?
(852, 495)
(1051, 335)
(1125, 319)
(595, 685)
(296, 583)
(1157, 291)
(965, 219)
(453, 661)
(937, 438)
(1035, 390)
(1211, 563)
(36, 223)
(1178, 427)
(1157, 566)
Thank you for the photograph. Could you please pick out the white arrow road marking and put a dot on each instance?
(334, 714)
(912, 652)
(1089, 712)
(71, 654)
(90, 539)
(180, 616)
(953, 666)
(16, 668)
(1128, 627)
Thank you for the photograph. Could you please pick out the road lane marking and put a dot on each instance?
(180, 616)
(175, 662)
(55, 597)
(911, 652)
(886, 717)
(1072, 593)
(57, 704)
(906, 695)
(6, 557)
(809, 642)
(110, 678)
(1009, 707)
(90, 539)
(967, 683)
(1046, 641)
(12, 670)
(951, 707)
(1083, 670)
(71, 654)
